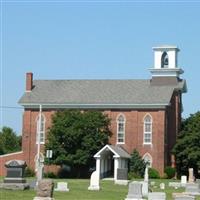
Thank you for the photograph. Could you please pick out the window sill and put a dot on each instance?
(40, 142)
(120, 143)
(147, 144)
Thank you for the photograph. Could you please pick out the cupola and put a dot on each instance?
(165, 68)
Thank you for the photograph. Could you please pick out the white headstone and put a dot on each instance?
(145, 188)
(94, 181)
(162, 186)
(62, 187)
(146, 175)
(183, 180)
(152, 183)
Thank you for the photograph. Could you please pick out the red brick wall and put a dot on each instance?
(29, 145)
(173, 115)
(133, 139)
(134, 134)
(165, 128)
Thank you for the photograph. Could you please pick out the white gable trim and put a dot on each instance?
(98, 154)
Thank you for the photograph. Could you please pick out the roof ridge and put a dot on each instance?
(91, 80)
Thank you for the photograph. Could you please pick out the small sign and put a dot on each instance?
(49, 153)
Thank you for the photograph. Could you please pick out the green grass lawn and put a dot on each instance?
(79, 191)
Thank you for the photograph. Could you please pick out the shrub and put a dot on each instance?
(170, 172)
(153, 173)
(29, 172)
(132, 175)
(137, 164)
(50, 175)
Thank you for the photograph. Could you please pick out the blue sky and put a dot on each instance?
(93, 40)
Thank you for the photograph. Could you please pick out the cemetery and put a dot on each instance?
(98, 189)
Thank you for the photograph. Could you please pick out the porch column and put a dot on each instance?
(98, 165)
(116, 166)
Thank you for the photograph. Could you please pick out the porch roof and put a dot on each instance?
(117, 150)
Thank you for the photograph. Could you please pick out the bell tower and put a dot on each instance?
(165, 70)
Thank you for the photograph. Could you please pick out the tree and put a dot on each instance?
(76, 136)
(9, 141)
(187, 148)
(137, 164)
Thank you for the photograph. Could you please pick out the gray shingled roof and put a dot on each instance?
(120, 151)
(117, 150)
(98, 92)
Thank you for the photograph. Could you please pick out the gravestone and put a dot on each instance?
(183, 180)
(152, 183)
(191, 175)
(15, 175)
(145, 183)
(94, 181)
(174, 184)
(134, 191)
(156, 196)
(145, 188)
(122, 176)
(192, 188)
(146, 175)
(162, 186)
(44, 190)
(180, 196)
(198, 181)
(62, 187)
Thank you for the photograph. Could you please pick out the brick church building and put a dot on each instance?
(145, 114)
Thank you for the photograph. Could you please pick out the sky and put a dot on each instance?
(93, 40)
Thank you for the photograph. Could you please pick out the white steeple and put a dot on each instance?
(165, 62)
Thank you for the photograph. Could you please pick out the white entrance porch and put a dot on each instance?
(112, 161)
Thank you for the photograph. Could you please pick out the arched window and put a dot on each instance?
(164, 60)
(121, 129)
(147, 129)
(42, 129)
(148, 159)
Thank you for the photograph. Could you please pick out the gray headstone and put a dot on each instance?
(192, 188)
(184, 197)
(122, 174)
(174, 184)
(134, 190)
(198, 181)
(14, 179)
(15, 168)
(157, 196)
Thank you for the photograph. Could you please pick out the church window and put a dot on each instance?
(42, 129)
(121, 129)
(164, 60)
(147, 159)
(147, 129)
